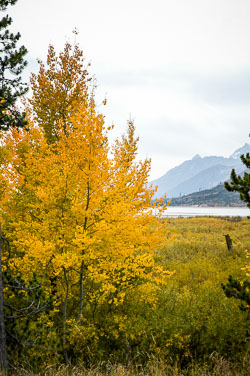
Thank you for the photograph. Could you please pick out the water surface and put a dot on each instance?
(193, 211)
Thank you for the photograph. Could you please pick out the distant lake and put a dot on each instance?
(193, 211)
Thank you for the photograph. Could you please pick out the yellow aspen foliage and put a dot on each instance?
(59, 90)
(78, 209)
(247, 267)
(4, 181)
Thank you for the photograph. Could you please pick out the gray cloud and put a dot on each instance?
(220, 87)
(224, 88)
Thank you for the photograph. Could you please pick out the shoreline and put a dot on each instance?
(206, 211)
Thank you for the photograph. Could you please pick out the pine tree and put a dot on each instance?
(235, 288)
(241, 184)
(12, 64)
(238, 290)
(11, 88)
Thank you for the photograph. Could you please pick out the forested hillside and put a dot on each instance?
(217, 196)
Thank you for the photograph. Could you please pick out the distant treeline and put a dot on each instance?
(217, 196)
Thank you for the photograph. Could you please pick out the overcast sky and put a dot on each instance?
(179, 68)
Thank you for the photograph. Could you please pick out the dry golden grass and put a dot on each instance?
(216, 366)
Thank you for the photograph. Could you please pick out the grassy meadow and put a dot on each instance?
(192, 329)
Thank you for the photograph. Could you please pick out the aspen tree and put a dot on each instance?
(79, 209)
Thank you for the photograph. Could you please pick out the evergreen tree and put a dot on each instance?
(235, 288)
(241, 184)
(12, 64)
(238, 290)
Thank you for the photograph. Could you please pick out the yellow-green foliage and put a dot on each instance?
(192, 318)
(199, 318)
(199, 251)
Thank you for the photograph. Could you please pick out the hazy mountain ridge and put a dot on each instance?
(199, 174)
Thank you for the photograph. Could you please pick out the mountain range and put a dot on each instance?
(199, 174)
